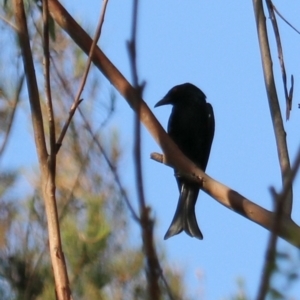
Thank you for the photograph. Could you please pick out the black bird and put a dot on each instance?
(191, 126)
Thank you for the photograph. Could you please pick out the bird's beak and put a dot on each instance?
(163, 101)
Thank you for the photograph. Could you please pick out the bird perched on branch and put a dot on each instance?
(191, 126)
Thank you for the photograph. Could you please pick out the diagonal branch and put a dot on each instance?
(77, 100)
(16, 100)
(101, 149)
(153, 269)
(284, 19)
(173, 157)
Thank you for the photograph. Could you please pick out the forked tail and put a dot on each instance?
(185, 218)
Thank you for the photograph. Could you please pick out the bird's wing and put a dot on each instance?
(210, 127)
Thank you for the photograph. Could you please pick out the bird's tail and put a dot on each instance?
(185, 218)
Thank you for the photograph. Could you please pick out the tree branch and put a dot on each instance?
(52, 139)
(153, 270)
(10, 122)
(270, 261)
(47, 176)
(173, 157)
(284, 19)
(279, 131)
(289, 231)
(288, 96)
(36, 112)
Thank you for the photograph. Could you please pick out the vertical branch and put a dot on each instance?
(283, 202)
(36, 112)
(48, 86)
(153, 270)
(270, 261)
(288, 95)
(270, 257)
(279, 131)
(137, 125)
(47, 171)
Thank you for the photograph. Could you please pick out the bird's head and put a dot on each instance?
(181, 94)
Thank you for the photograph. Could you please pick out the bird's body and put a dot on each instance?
(191, 126)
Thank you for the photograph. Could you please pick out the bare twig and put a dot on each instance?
(173, 156)
(157, 157)
(12, 115)
(279, 131)
(8, 23)
(94, 43)
(111, 166)
(291, 91)
(284, 19)
(77, 100)
(67, 123)
(281, 59)
(102, 150)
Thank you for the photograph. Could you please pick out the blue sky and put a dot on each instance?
(215, 47)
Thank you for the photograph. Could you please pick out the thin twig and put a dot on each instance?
(291, 91)
(77, 100)
(284, 19)
(102, 150)
(12, 115)
(111, 166)
(73, 108)
(153, 269)
(94, 43)
(281, 59)
(8, 23)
